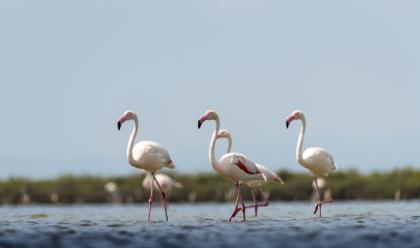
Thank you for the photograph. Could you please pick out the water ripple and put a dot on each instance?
(346, 224)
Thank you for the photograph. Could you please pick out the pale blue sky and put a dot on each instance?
(69, 70)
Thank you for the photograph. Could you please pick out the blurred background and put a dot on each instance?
(69, 70)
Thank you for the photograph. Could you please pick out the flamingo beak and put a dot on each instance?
(289, 120)
(201, 120)
(121, 121)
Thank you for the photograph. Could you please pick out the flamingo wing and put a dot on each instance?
(245, 164)
(319, 159)
(150, 152)
(270, 175)
(159, 151)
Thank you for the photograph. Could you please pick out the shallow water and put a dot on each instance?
(345, 224)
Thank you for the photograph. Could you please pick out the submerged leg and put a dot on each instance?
(163, 196)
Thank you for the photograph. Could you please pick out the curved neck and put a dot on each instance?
(229, 148)
(131, 141)
(299, 152)
(212, 157)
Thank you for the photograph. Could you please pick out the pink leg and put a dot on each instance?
(150, 199)
(243, 206)
(319, 200)
(163, 196)
(238, 198)
(255, 205)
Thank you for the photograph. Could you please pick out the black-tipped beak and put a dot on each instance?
(199, 124)
(287, 124)
(119, 125)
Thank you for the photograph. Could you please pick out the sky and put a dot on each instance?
(68, 70)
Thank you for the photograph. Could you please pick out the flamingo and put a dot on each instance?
(146, 155)
(114, 194)
(316, 159)
(166, 182)
(254, 184)
(235, 166)
(324, 191)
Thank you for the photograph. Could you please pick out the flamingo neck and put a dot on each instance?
(229, 148)
(299, 152)
(212, 157)
(131, 142)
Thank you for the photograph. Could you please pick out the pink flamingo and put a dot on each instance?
(146, 155)
(253, 184)
(316, 159)
(235, 166)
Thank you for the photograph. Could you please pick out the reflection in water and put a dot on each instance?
(346, 224)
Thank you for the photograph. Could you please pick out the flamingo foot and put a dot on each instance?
(235, 212)
(264, 204)
(237, 209)
(318, 206)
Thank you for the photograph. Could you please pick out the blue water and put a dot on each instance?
(345, 224)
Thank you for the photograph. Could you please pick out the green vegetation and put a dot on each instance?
(345, 185)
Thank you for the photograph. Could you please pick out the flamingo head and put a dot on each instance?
(208, 115)
(223, 134)
(128, 115)
(296, 115)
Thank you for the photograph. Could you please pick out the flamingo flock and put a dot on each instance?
(238, 168)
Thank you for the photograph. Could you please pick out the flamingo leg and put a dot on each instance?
(266, 197)
(255, 201)
(163, 196)
(255, 205)
(319, 200)
(150, 199)
(243, 207)
(238, 198)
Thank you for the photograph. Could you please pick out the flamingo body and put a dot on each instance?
(250, 167)
(319, 161)
(239, 168)
(151, 156)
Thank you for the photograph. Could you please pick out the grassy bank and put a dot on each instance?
(345, 185)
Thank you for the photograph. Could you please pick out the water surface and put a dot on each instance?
(345, 224)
